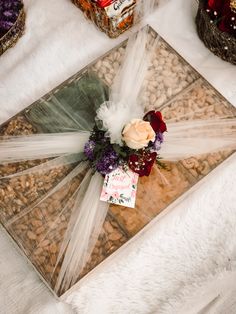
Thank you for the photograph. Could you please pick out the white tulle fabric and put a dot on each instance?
(182, 140)
(39, 146)
(90, 212)
(124, 104)
(191, 138)
(144, 7)
(84, 228)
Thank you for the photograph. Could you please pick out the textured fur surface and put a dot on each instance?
(165, 270)
(185, 262)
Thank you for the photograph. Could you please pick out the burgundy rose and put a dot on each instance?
(211, 3)
(227, 22)
(221, 12)
(216, 5)
(156, 121)
(142, 164)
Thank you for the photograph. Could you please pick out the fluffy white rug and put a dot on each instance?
(173, 266)
(185, 263)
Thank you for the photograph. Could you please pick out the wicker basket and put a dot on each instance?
(15, 32)
(221, 44)
(112, 26)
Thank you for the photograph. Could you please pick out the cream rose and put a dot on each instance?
(138, 133)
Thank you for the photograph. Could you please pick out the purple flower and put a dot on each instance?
(6, 25)
(9, 11)
(89, 149)
(9, 14)
(158, 141)
(108, 162)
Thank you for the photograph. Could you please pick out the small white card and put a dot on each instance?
(120, 187)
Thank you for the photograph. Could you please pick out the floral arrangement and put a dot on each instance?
(223, 14)
(141, 140)
(9, 11)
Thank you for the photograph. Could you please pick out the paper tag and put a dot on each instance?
(120, 187)
(116, 8)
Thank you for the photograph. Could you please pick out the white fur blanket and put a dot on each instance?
(185, 263)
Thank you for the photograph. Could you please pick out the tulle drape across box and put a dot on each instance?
(36, 196)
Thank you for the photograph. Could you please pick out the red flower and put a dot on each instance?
(211, 3)
(223, 15)
(216, 5)
(142, 164)
(156, 121)
(227, 22)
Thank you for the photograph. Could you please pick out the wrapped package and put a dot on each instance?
(115, 16)
(87, 166)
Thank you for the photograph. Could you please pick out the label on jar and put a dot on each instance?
(118, 6)
(120, 187)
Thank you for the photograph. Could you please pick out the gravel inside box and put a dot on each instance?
(171, 85)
